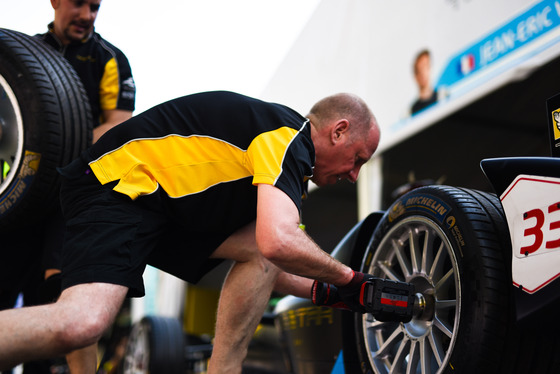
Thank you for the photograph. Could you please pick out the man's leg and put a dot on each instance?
(243, 299)
(76, 320)
(80, 361)
(83, 361)
(242, 303)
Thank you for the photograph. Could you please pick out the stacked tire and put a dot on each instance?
(45, 122)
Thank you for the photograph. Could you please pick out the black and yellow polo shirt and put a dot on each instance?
(103, 69)
(206, 152)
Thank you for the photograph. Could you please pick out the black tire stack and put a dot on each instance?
(56, 119)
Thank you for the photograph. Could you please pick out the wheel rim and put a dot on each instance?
(137, 357)
(11, 135)
(416, 250)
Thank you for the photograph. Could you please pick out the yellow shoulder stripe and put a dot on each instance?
(109, 86)
(267, 152)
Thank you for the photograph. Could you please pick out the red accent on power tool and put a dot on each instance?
(398, 303)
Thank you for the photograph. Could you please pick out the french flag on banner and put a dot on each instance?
(467, 63)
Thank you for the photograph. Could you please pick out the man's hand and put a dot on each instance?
(348, 297)
(353, 293)
(324, 294)
(387, 300)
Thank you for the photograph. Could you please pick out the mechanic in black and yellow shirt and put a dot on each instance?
(107, 78)
(201, 178)
(103, 69)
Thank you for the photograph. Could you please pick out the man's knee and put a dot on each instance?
(80, 331)
(85, 312)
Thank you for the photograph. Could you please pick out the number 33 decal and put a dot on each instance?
(537, 229)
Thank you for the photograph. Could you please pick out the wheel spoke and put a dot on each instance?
(438, 261)
(400, 356)
(403, 261)
(413, 357)
(445, 304)
(448, 277)
(443, 326)
(427, 252)
(374, 325)
(437, 349)
(425, 357)
(389, 272)
(414, 250)
(385, 348)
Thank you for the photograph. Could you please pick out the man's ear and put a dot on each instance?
(339, 129)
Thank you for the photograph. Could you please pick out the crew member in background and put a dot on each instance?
(34, 252)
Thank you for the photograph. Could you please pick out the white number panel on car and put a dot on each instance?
(532, 208)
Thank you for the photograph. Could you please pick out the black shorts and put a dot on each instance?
(110, 238)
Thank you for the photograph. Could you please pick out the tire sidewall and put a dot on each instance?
(56, 125)
(23, 87)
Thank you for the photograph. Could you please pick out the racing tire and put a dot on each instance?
(45, 122)
(450, 243)
(156, 345)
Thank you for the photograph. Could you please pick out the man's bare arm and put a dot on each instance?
(282, 242)
(112, 119)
